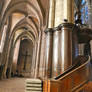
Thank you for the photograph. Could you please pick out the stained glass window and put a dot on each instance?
(84, 12)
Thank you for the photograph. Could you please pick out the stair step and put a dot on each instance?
(33, 85)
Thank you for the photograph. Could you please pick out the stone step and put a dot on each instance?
(33, 89)
(33, 81)
(33, 85)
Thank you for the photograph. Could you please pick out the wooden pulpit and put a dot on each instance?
(65, 70)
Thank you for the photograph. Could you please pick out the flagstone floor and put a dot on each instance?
(12, 85)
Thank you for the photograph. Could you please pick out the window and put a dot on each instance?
(84, 12)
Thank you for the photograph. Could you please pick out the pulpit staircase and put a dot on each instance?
(72, 80)
(76, 69)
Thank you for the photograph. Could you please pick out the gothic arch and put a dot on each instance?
(11, 9)
(23, 35)
(16, 8)
(26, 23)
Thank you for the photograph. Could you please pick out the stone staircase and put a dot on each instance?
(33, 85)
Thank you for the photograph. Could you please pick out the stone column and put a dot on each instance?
(70, 10)
(5, 57)
(63, 10)
(42, 56)
(10, 58)
(34, 60)
(48, 53)
(51, 14)
(15, 56)
(46, 45)
(38, 55)
(10, 61)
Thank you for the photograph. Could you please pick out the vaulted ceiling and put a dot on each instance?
(31, 15)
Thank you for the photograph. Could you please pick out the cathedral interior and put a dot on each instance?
(45, 45)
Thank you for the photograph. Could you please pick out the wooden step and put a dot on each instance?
(87, 87)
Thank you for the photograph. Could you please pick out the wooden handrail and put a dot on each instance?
(69, 82)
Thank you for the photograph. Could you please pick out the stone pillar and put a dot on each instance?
(51, 14)
(34, 60)
(48, 53)
(6, 49)
(63, 10)
(10, 61)
(42, 56)
(15, 56)
(10, 58)
(46, 45)
(62, 49)
(38, 56)
(5, 57)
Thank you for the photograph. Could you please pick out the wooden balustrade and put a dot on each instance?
(70, 82)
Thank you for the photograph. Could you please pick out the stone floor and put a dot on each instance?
(12, 85)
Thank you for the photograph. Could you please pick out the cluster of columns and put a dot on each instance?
(58, 11)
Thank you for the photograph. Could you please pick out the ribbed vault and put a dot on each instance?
(32, 23)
